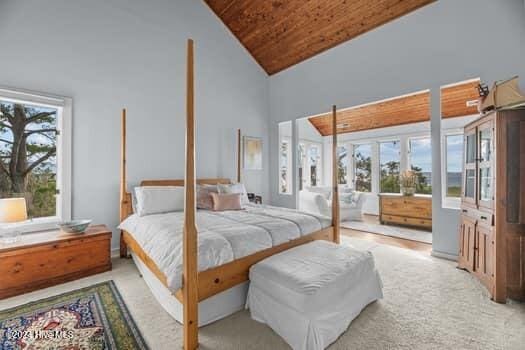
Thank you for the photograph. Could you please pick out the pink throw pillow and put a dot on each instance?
(204, 200)
(223, 202)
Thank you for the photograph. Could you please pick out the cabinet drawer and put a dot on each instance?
(30, 267)
(402, 220)
(483, 217)
(419, 208)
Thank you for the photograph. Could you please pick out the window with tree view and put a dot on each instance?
(389, 157)
(342, 164)
(363, 167)
(421, 163)
(28, 156)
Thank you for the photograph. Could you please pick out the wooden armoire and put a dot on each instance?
(492, 228)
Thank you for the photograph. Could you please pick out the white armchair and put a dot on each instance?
(318, 203)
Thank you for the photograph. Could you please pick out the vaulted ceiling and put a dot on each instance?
(413, 108)
(282, 33)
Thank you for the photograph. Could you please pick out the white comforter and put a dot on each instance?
(223, 236)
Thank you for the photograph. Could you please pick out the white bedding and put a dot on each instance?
(223, 236)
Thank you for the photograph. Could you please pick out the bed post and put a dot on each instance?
(190, 281)
(335, 180)
(123, 183)
(238, 155)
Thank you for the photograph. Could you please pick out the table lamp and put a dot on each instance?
(12, 210)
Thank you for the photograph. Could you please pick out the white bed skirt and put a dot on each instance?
(210, 310)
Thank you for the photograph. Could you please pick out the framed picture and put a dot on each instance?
(252, 149)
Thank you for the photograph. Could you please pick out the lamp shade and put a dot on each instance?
(13, 210)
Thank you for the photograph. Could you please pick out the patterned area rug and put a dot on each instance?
(93, 318)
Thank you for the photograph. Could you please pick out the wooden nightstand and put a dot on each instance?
(40, 260)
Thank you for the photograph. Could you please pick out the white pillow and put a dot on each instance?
(234, 188)
(159, 199)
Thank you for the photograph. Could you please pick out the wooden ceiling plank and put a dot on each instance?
(281, 33)
(306, 48)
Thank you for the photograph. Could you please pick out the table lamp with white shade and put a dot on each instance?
(12, 210)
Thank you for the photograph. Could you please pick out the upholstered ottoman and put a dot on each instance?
(310, 294)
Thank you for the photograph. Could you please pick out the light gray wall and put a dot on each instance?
(116, 53)
(445, 42)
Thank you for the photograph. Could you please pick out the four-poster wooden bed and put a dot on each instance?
(200, 285)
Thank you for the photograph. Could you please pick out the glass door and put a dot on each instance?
(469, 172)
(485, 194)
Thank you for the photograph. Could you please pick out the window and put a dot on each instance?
(314, 164)
(363, 167)
(421, 163)
(389, 157)
(452, 169)
(342, 165)
(301, 150)
(285, 158)
(35, 156)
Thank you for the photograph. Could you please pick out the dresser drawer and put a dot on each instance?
(403, 220)
(412, 207)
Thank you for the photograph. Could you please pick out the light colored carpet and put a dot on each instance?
(428, 304)
(390, 230)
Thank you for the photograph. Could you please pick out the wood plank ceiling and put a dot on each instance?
(282, 33)
(408, 109)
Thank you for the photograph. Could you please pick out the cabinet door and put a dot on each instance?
(485, 183)
(484, 255)
(469, 172)
(467, 229)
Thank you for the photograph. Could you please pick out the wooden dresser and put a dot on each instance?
(44, 259)
(406, 210)
(492, 229)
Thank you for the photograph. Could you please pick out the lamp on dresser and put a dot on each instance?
(12, 210)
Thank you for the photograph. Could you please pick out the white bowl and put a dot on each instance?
(75, 226)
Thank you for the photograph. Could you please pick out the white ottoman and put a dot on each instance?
(310, 294)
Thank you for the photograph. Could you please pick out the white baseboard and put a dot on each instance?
(444, 255)
(115, 253)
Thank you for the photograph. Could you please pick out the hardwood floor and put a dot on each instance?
(424, 248)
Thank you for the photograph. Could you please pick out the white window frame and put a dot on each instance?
(409, 154)
(448, 202)
(376, 163)
(349, 156)
(64, 105)
(390, 139)
(289, 163)
(374, 166)
(320, 165)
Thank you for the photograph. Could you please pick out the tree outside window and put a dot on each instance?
(28, 164)
(342, 165)
(421, 163)
(389, 156)
(363, 167)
